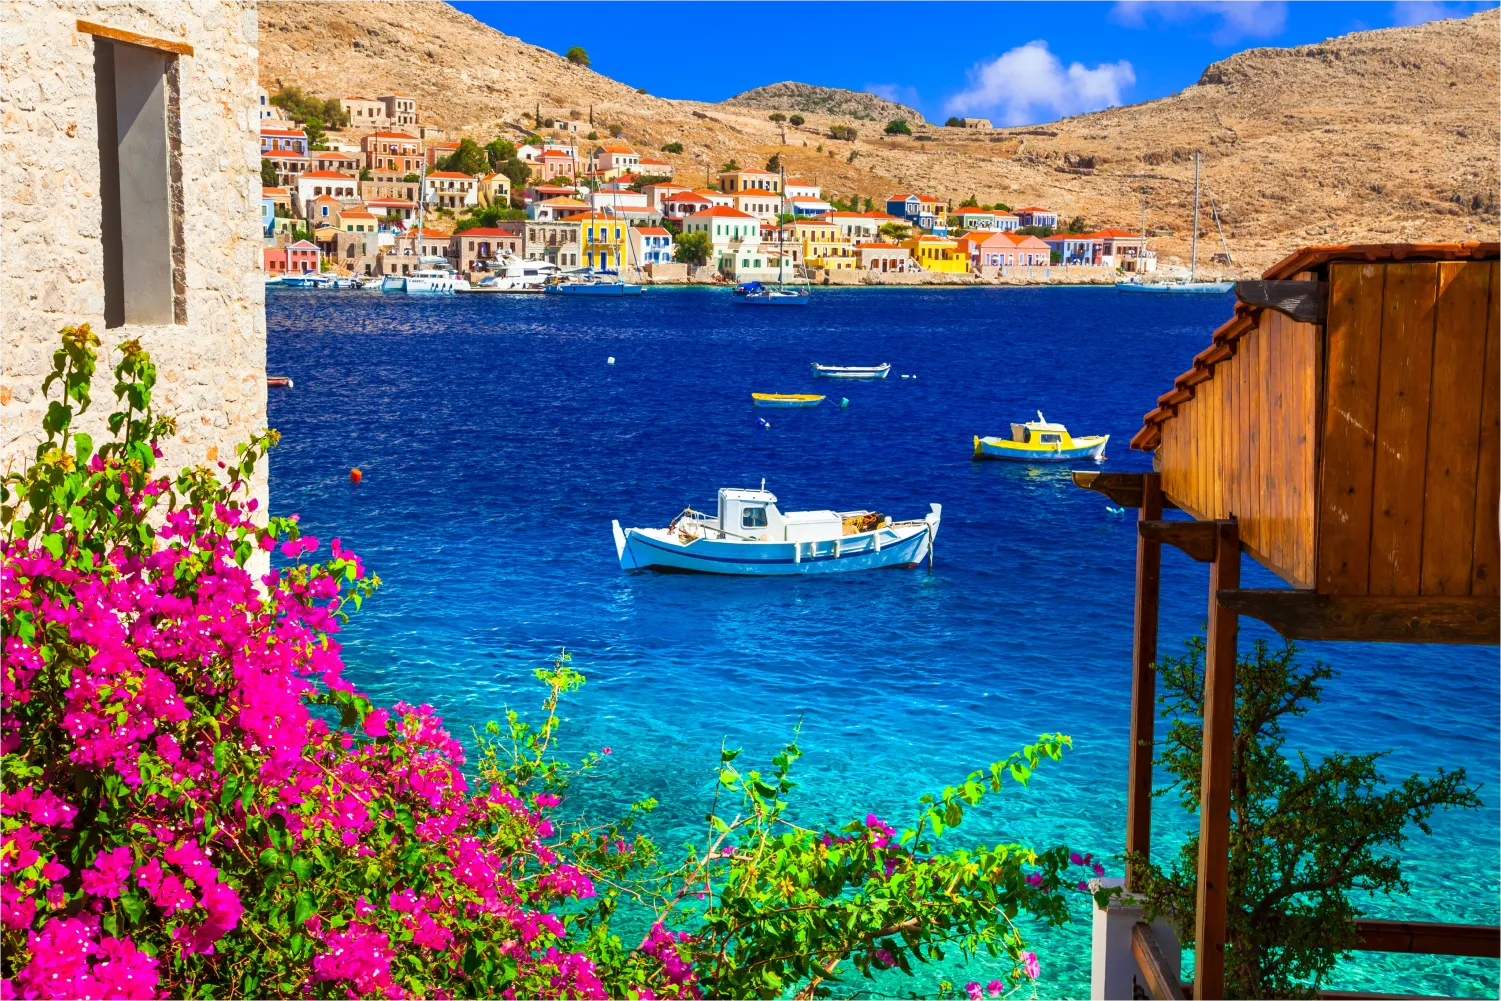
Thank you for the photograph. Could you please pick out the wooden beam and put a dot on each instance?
(1143, 676)
(1429, 938)
(135, 38)
(1125, 489)
(1214, 781)
(1306, 302)
(1306, 615)
(1153, 964)
(1196, 538)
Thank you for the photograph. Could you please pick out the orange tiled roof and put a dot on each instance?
(722, 212)
(328, 173)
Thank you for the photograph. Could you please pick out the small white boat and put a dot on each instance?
(433, 276)
(308, 279)
(774, 297)
(273, 280)
(851, 371)
(749, 535)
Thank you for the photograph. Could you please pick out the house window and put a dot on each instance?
(140, 193)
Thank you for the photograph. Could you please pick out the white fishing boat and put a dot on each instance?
(851, 371)
(514, 275)
(749, 535)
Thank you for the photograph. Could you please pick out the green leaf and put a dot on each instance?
(306, 907)
(53, 543)
(83, 447)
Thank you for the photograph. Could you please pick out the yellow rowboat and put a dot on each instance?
(785, 400)
(1040, 441)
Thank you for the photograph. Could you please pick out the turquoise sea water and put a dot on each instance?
(497, 444)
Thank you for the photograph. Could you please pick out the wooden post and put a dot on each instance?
(1144, 676)
(1214, 782)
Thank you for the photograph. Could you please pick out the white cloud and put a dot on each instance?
(1237, 19)
(894, 92)
(1420, 11)
(1029, 80)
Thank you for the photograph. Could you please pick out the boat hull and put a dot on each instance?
(761, 299)
(906, 544)
(1010, 451)
(1182, 288)
(785, 403)
(606, 289)
(827, 372)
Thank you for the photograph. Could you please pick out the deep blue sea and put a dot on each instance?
(497, 444)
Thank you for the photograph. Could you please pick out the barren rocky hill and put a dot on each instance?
(1374, 136)
(791, 96)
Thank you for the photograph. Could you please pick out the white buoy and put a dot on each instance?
(610, 360)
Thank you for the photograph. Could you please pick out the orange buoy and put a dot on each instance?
(355, 475)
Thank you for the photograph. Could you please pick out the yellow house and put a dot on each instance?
(824, 244)
(602, 238)
(935, 253)
(495, 189)
(749, 179)
(356, 220)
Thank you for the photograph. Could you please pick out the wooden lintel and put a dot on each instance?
(1429, 938)
(1125, 489)
(1306, 615)
(1196, 538)
(1304, 301)
(135, 38)
(1153, 964)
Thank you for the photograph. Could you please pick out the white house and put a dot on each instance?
(855, 227)
(802, 189)
(616, 157)
(450, 189)
(649, 245)
(605, 200)
(653, 167)
(764, 205)
(553, 209)
(314, 184)
(656, 193)
(735, 237)
(808, 208)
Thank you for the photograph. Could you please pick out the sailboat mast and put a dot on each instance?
(1193, 266)
(781, 224)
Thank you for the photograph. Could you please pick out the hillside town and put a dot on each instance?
(382, 193)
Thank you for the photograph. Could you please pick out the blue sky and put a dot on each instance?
(1015, 63)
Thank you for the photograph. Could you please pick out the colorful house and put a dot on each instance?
(681, 206)
(612, 159)
(764, 205)
(1003, 250)
(973, 220)
(294, 259)
(937, 253)
(397, 152)
(920, 211)
(484, 243)
(748, 178)
(315, 184)
(649, 245)
(1077, 248)
(824, 244)
(556, 208)
(439, 151)
(655, 193)
(856, 227)
(797, 188)
(450, 189)
(494, 189)
(555, 241)
(603, 239)
(1126, 251)
(1032, 215)
(276, 139)
(808, 208)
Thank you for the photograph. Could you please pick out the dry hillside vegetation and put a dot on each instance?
(802, 97)
(1374, 136)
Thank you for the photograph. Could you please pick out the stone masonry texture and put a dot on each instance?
(211, 370)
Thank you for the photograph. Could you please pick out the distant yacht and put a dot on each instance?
(1193, 285)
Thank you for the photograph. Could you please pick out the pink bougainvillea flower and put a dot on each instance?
(995, 988)
(1030, 965)
(973, 990)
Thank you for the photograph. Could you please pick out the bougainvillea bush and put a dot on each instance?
(197, 803)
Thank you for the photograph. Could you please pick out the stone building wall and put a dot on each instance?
(211, 368)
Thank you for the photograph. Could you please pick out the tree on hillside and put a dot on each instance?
(642, 180)
(898, 127)
(470, 158)
(617, 130)
(1038, 231)
(1076, 225)
(777, 116)
(728, 166)
(577, 56)
(844, 132)
(300, 106)
(268, 174)
(796, 120)
(1311, 839)
(693, 248)
(489, 215)
(592, 136)
(954, 123)
(775, 163)
(517, 172)
(970, 203)
(498, 151)
(672, 148)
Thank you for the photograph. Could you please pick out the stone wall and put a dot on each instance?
(211, 369)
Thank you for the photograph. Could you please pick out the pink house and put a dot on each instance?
(555, 163)
(294, 259)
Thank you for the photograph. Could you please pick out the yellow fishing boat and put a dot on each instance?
(1041, 441)
(785, 400)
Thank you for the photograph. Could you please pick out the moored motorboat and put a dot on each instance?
(851, 371)
(1041, 441)
(785, 400)
(593, 287)
(308, 279)
(750, 535)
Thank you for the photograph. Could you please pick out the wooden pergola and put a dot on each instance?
(1343, 429)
